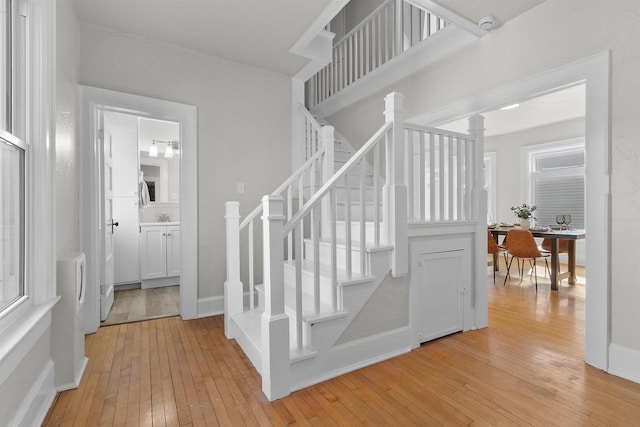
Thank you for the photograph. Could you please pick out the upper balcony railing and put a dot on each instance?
(394, 27)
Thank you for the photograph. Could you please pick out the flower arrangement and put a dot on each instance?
(524, 211)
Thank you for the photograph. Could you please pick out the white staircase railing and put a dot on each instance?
(315, 170)
(415, 174)
(392, 28)
(312, 132)
(439, 172)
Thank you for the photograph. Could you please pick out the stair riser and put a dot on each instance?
(355, 209)
(355, 232)
(307, 284)
(341, 255)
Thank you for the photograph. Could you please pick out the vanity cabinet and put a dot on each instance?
(159, 254)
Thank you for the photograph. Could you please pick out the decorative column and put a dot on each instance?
(395, 205)
(275, 323)
(479, 213)
(328, 170)
(233, 301)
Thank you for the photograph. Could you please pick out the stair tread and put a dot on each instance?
(325, 271)
(250, 322)
(355, 244)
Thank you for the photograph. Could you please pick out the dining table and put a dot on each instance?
(571, 235)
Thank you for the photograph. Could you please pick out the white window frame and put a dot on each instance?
(491, 184)
(33, 110)
(531, 152)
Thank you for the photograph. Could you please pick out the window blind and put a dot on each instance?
(559, 195)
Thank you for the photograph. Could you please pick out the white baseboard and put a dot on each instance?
(358, 354)
(624, 362)
(76, 380)
(37, 402)
(214, 306)
(211, 306)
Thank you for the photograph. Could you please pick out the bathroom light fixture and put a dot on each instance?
(510, 107)
(153, 151)
(169, 151)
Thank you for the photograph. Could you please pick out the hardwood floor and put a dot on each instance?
(526, 368)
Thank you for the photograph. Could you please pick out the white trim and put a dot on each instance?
(449, 39)
(19, 338)
(76, 380)
(491, 157)
(92, 101)
(527, 154)
(624, 362)
(36, 403)
(595, 72)
(449, 16)
(211, 306)
(214, 306)
(349, 356)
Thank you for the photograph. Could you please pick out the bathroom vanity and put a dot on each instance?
(159, 254)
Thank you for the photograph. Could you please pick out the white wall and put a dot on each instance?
(244, 124)
(509, 148)
(549, 36)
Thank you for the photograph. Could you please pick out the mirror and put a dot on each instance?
(161, 172)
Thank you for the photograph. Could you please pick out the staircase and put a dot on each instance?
(329, 240)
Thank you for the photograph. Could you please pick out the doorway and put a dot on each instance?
(594, 72)
(141, 174)
(94, 230)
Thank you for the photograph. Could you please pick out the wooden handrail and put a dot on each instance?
(351, 163)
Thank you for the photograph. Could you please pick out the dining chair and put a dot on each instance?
(522, 245)
(563, 248)
(493, 249)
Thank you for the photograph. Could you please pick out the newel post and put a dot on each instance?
(233, 302)
(396, 188)
(328, 169)
(479, 213)
(275, 323)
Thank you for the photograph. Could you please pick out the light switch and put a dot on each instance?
(241, 188)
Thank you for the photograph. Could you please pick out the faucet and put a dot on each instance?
(164, 217)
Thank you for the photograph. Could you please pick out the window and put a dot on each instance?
(555, 180)
(12, 165)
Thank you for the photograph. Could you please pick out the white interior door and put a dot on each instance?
(107, 288)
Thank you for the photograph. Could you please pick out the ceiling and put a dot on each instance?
(555, 107)
(502, 10)
(253, 32)
(258, 33)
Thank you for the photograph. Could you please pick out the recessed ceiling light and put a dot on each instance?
(510, 107)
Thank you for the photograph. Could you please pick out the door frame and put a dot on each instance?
(92, 102)
(595, 72)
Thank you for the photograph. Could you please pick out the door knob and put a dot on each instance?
(113, 224)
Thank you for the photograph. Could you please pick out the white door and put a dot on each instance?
(441, 299)
(106, 288)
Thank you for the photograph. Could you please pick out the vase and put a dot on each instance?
(525, 223)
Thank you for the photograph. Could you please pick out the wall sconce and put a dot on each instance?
(153, 151)
(172, 147)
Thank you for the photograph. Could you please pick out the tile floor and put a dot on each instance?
(134, 305)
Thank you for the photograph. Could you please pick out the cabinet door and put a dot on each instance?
(173, 250)
(153, 252)
(440, 294)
